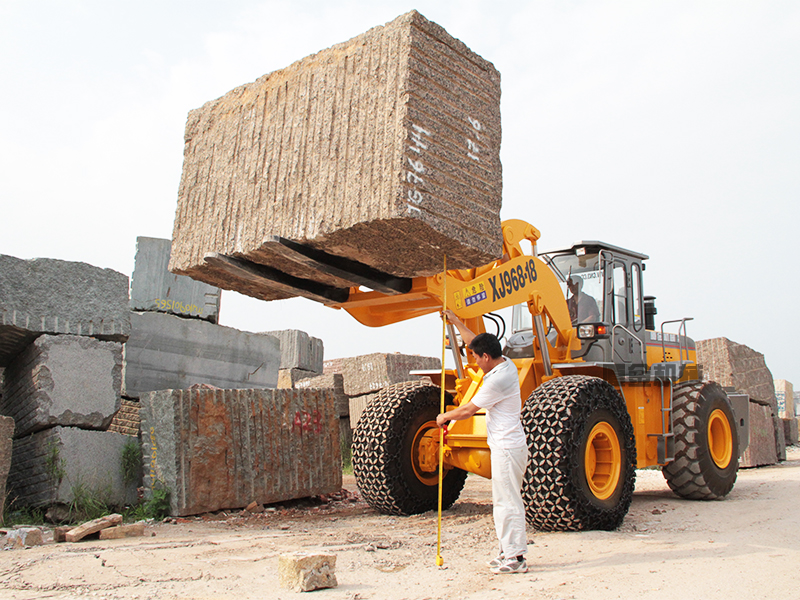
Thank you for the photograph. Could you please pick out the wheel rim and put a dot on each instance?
(422, 448)
(603, 460)
(720, 439)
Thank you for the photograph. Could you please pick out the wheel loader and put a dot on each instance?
(602, 392)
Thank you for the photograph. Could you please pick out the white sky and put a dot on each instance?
(671, 128)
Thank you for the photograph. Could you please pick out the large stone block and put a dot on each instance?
(45, 295)
(54, 465)
(372, 372)
(737, 366)
(762, 449)
(6, 435)
(168, 352)
(329, 381)
(383, 149)
(784, 396)
(790, 431)
(299, 350)
(218, 449)
(65, 380)
(154, 288)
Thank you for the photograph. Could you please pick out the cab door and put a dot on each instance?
(626, 345)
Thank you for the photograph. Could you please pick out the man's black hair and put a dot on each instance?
(486, 343)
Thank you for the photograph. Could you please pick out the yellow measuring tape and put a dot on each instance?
(439, 559)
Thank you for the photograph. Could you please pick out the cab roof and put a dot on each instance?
(596, 246)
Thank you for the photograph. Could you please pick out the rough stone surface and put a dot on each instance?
(383, 149)
(328, 381)
(357, 406)
(762, 449)
(372, 372)
(222, 449)
(24, 537)
(784, 396)
(154, 288)
(66, 380)
(303, 572)
(88, 459)
(299, 350)
(735, 365)
(122, 531)
(780, 439)
(6, 435)
(168, 352)
(126, 421)
(790, 431)
(45, 295)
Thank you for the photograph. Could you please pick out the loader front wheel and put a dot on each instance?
(387, 446)
(706, 443)
(581, 471)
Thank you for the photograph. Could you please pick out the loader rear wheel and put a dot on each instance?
(386, 452)
(706, 443)
(581, 471)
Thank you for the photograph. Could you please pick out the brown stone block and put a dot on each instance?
(122, 531)
(303, 572)
(372, 372)
(762, 449)
(389, 141)
(81, 531)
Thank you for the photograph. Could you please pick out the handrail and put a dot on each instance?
(633, 336)
(680, 343)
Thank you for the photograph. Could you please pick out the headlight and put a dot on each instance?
(592, 331)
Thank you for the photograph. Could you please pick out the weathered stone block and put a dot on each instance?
(50, 466)
(303, 572)
(122, 531)
(6, 435)
(372, 372)
(389, 141)
(737, 366)
(288, 378)
(44, 295)
(357, 406)
(299, 350)
(168, 352)
(154, 288)
(790, 431)
(762, 449)
(784, 395)
(66, 380)
(216, 449)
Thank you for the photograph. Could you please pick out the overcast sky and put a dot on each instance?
(671, 128)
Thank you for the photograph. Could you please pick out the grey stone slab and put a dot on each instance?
(66, 380)
(168, 352)
(51, 466)
(299, 350)
(372, 372)
(221, 449)
(154, 288)
(384, 149)
(45, 295)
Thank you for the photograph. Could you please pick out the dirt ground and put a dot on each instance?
(746, 546)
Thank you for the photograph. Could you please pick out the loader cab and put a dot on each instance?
(602, 284)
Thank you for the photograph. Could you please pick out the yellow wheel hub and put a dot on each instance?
(603, 460)
(720, 439)
(425, 454)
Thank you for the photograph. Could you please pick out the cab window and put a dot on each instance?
(619, 303)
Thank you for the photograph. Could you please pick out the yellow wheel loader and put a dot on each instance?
(603, 392)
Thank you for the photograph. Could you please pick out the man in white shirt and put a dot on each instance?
(499, 394)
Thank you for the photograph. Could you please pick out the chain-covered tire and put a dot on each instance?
(385, 452)
(582, 467)
(706, 443)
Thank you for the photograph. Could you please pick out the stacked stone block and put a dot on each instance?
(169, 352)
(53, 465)
(365, 375)
(6, 435)
(222, 449)
(64, 380)
(335, 383)
(744, 369)
(383, 149)
(301, 356)
(154, 288)
(126, 421)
